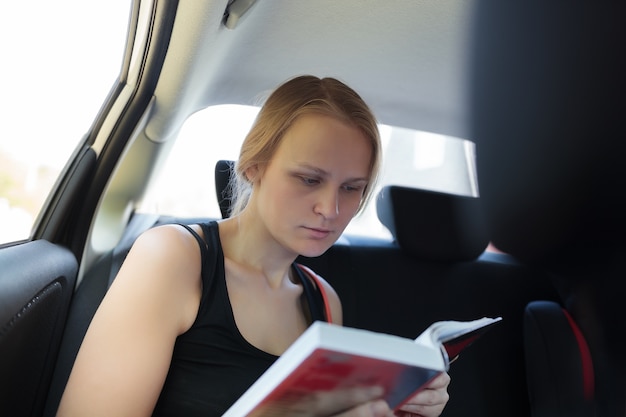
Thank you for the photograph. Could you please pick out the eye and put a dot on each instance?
(354, 188)
(309, 180)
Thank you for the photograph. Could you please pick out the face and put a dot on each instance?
(312, 187)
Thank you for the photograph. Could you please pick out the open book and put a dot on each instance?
(326, 369)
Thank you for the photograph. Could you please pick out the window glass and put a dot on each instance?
(186, 185)
(60, 59)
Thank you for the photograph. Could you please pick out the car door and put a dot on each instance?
(41, 258)
(36, 285)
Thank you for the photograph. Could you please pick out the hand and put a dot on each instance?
(430, 401)
(354, 402)
(375, 408)
(363, 402)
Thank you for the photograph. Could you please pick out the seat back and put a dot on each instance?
(558, 362)
(36, 283)
(547, 115)
(433, 225)
(224, 170)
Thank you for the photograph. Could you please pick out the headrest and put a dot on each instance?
(431, 225)
(547, 97)
(223, 173)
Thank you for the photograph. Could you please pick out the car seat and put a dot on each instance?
(559, 366)
(446, 273)
(546, 93)
(452, 223)
(224, 170)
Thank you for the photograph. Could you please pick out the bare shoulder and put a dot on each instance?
(126, 353)
(166, 259)
(170, 245)
(168, 238)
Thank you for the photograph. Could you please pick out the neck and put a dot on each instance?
(247, 243)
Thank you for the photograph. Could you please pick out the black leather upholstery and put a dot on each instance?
(223, 173)
(34, 297)
(547, 92)
(559, 366)
(432, 225)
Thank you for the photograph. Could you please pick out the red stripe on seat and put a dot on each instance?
(585, 358)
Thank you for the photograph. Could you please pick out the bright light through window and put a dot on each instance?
(59, 62)
(186, 185)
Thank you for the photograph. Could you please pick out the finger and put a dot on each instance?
(407, 414)
(377, 408)
(428, 402)
(429, 397)
(415, 410)
(435, 393)
(441, 381)
(361, 395)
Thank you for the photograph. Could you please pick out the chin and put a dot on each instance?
(313, 251)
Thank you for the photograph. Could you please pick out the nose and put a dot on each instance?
(327, 203)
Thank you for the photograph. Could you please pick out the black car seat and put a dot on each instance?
(223, 173)
(33, 315)
(546, 93)
(436, 268)
(559, 366)
(452, 223)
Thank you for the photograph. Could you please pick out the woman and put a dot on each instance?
(197, 314)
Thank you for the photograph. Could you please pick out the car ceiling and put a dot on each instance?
(407, 58)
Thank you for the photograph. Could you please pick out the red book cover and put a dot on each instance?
(329, 367)
(318, 386)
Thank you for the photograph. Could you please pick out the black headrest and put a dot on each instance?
(223, 172)
(547, 91)
(432, 225)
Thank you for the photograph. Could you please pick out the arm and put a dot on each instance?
(429, 402)
(125, 356)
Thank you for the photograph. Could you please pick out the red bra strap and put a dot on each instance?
(320, 286)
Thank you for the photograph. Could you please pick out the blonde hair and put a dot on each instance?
(297, 96)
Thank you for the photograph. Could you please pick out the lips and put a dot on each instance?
(318, 233)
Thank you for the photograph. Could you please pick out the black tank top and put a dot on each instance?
(212, 364)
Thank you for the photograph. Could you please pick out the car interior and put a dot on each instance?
(537, 86)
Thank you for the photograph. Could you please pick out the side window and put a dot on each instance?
(60, 59)
(186, 184)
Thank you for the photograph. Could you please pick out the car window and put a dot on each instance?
(186, 187)
(60, 59)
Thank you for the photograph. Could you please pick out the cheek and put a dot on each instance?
(283, 196)
(349, 204)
